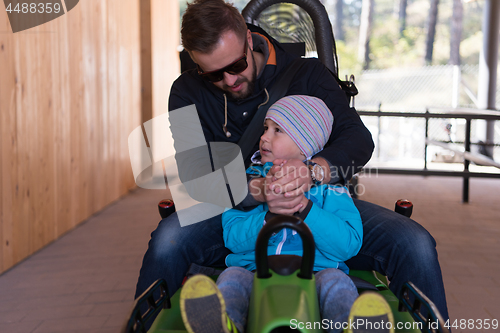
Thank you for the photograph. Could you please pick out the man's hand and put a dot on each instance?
(278, 203)
(260, 188)
(290, 177)
(285, 184)
(293, 178)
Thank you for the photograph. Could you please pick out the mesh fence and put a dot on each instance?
(397, 139)
(408, 88)
(418, 88)
(402, 140)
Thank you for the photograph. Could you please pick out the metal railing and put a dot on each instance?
(468, 115)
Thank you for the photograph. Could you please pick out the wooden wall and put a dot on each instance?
(70, 94)
(165, 36)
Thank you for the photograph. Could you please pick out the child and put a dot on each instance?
(296, 127)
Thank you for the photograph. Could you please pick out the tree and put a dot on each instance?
(365, 28)
(338, 27)
(431, 31)
(401, 12)
(456, 32)
(335, 10)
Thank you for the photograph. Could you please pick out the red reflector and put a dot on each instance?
(166, 203)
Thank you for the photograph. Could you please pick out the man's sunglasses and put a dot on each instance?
(233, 68)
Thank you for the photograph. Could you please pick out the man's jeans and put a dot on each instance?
(336, 294)
(393, 245)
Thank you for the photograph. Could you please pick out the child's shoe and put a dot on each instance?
(202, 307)
(370, 313)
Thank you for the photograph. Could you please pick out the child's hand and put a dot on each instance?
(277, 165)
(304, 203)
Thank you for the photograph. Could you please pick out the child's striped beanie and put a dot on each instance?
(306, 119)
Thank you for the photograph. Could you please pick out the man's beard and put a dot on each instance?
(239, 95)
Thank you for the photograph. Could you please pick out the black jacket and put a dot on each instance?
(350, 145)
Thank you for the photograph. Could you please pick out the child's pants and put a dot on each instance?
(336, 294)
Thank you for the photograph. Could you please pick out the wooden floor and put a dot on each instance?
(85, 281)
(467, 236)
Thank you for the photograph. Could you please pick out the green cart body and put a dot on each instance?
(284, 294)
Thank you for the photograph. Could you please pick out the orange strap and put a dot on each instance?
(272, 52)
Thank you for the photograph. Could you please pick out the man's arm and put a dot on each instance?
(350, 145)
(194, 152)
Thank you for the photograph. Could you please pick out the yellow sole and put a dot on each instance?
(199, 287)
(370, 304)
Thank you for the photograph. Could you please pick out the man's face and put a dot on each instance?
(228, 50)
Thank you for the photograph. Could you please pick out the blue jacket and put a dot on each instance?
(333, 219)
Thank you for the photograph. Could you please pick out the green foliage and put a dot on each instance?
(473, 15)
(348, 63)
(389, 48)
(392, 50)
(471, 47)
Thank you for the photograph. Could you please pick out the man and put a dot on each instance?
(236, 67)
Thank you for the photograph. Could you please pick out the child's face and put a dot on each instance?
(275, 143)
